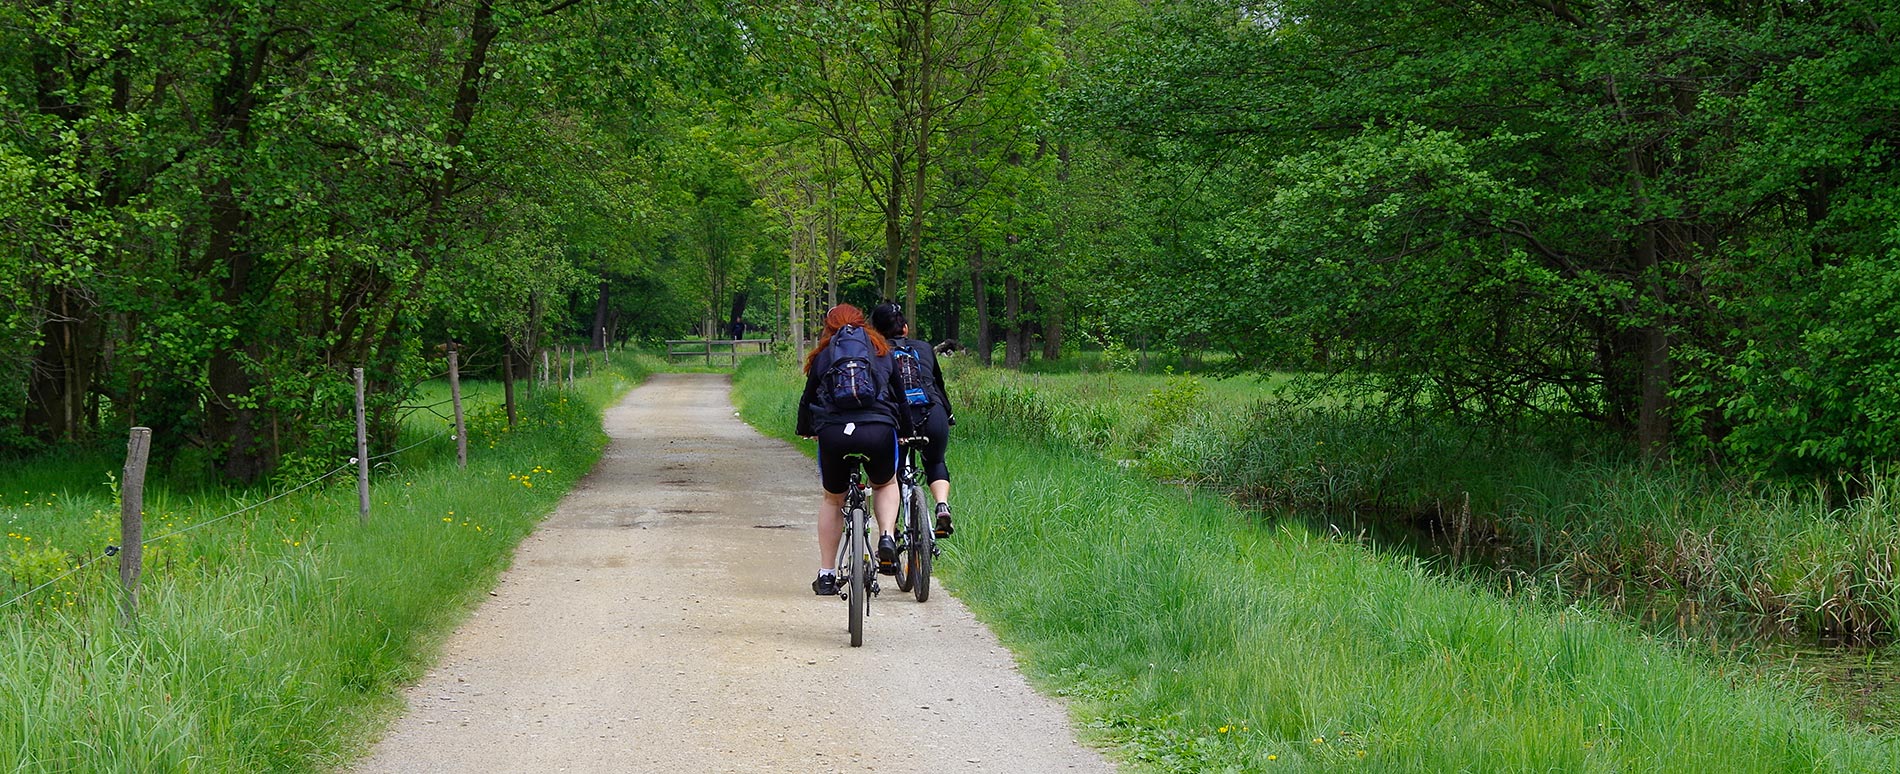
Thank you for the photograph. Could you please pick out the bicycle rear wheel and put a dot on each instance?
(859, 592)
(923, 546)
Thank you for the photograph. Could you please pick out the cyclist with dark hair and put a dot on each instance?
(934, 423)
(846, 424)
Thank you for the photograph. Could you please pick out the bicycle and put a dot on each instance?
(857, 581)
(917, 541)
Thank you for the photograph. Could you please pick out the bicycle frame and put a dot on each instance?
(857, 581)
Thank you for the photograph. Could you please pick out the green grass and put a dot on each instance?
(1668, 543)
(1191, 637)
(275, 640)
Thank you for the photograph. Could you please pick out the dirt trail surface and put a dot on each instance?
(662, 620)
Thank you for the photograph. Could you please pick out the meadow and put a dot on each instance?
(275, 639)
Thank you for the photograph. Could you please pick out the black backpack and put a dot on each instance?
(849, 382)
(909, 373)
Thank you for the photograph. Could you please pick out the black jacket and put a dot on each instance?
(815, 414)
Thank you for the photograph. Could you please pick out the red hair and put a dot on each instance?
(840, 316)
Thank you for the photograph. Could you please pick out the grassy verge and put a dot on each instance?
(1192, 638)
(273, 640)
(1675, 544)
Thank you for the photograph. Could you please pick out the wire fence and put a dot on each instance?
(130, 553)
(115, 550)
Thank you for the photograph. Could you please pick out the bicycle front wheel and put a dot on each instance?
(906, 532)
(859, 591)
(923, 545)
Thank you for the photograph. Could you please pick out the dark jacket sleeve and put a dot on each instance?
(936, 371)
(805, 402)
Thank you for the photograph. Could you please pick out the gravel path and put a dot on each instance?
(662, 620)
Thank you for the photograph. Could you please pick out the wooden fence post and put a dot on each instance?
(571, 357)
(547, 370)
(362, 453)
(455, 396)
(138, 448)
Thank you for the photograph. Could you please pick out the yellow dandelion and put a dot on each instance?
(1273, 757)
(1320, 740)
(1223, 729)
(445, 518)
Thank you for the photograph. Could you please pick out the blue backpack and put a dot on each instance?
(849, 382)
(909, 372)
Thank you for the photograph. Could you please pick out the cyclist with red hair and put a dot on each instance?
(871, 429)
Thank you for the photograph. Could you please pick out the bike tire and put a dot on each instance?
(923, 546)
(906, 529)
(859, 593)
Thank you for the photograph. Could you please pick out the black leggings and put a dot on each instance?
(937, 427)
(878, 444)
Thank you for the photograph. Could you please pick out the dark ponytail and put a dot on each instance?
(889, 320)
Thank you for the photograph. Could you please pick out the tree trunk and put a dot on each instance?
(794, 308)
(981, 292)
(1052, 328)
(918, 182)
(508, 381)
(736, 328)
(64, 366)
(952, 313)
(1014, 344)
(601, 308)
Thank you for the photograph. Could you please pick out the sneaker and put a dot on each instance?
(887, 555)
(944, 527)
(825, 586)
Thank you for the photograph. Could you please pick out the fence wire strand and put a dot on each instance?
(62, 576)
(410, 446)
(252, 506)
(247, 508)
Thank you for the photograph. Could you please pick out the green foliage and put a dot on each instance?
(211, 216)
(1503, 211)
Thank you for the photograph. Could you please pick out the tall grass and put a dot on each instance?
(1669, 542)
(274, 640)
(1191, 637)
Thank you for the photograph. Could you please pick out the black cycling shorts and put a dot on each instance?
(877, 443)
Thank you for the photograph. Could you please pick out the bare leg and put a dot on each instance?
(940, 490)
(884, 499)
(830, 530)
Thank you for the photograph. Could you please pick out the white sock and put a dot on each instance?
(822, 572)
